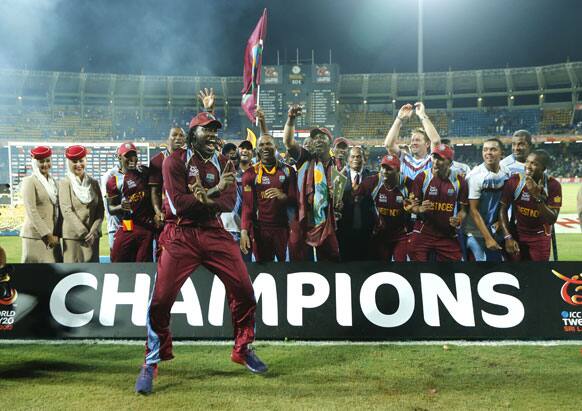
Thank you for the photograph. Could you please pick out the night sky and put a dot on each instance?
(188, 37)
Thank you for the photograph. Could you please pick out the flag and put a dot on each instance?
(252, 67)
(251, 136)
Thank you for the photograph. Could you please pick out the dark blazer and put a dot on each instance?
(355, 227)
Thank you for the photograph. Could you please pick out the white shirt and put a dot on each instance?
(487, 187)
(354, 174)
(512, 165)
(113, 221)
(411, 166)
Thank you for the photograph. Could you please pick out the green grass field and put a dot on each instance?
(416, 377)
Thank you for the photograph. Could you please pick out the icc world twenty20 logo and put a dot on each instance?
(575, 298)
(7, 294)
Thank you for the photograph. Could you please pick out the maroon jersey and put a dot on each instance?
(133, 187)
(257, 208)
(526, 213)
(447, 196)
(156, 168)
(391, 218)
(181, 207)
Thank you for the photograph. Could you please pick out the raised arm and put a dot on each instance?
(262, 122)
(289, 132)
(429, 128)
(390, 141)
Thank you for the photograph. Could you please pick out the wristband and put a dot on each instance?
(508, 237)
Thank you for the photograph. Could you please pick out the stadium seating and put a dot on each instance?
(556, 121)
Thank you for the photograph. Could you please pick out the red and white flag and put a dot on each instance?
(252, 68)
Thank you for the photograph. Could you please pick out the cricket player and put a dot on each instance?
(536, 199)
(442, 194)
(486, 182)
(176, 139)
(389, 191)
(521, 146)
(422, 140)
(268, 187)
(128, 196)
(199, 184)
(316, 208)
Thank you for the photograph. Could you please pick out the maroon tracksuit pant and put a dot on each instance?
(133, 246)
(270, 242)
(182, 250)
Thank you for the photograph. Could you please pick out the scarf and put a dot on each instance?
(81, 188)
(48, 182)
(260, 169)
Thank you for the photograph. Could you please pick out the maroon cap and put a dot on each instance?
(391, 161)
(444, 151)
(203, 119)
(40, 152)
(75, 152)
(321, 130)
(126, 148)
(341, 140)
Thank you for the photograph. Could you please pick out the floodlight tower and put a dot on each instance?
(420, 38)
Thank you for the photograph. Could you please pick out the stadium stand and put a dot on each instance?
(465, 105)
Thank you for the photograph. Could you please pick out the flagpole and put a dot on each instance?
(259, 84)
(258, 99)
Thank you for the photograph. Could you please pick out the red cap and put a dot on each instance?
(203, 119)
(391, 161)
(341, 140)
(444, 151)
(75, 152)
(321, 130)
(40, 152)
(126, 148)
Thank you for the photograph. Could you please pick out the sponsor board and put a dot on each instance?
(353, 301)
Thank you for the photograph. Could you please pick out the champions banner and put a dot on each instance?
(351, 301)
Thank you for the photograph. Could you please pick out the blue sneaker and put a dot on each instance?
(251, 361)
(145, 379)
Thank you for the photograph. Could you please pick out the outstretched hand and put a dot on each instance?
(207, 98)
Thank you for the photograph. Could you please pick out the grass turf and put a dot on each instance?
(300, 377)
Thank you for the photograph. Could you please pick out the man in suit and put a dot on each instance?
(357, 216)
